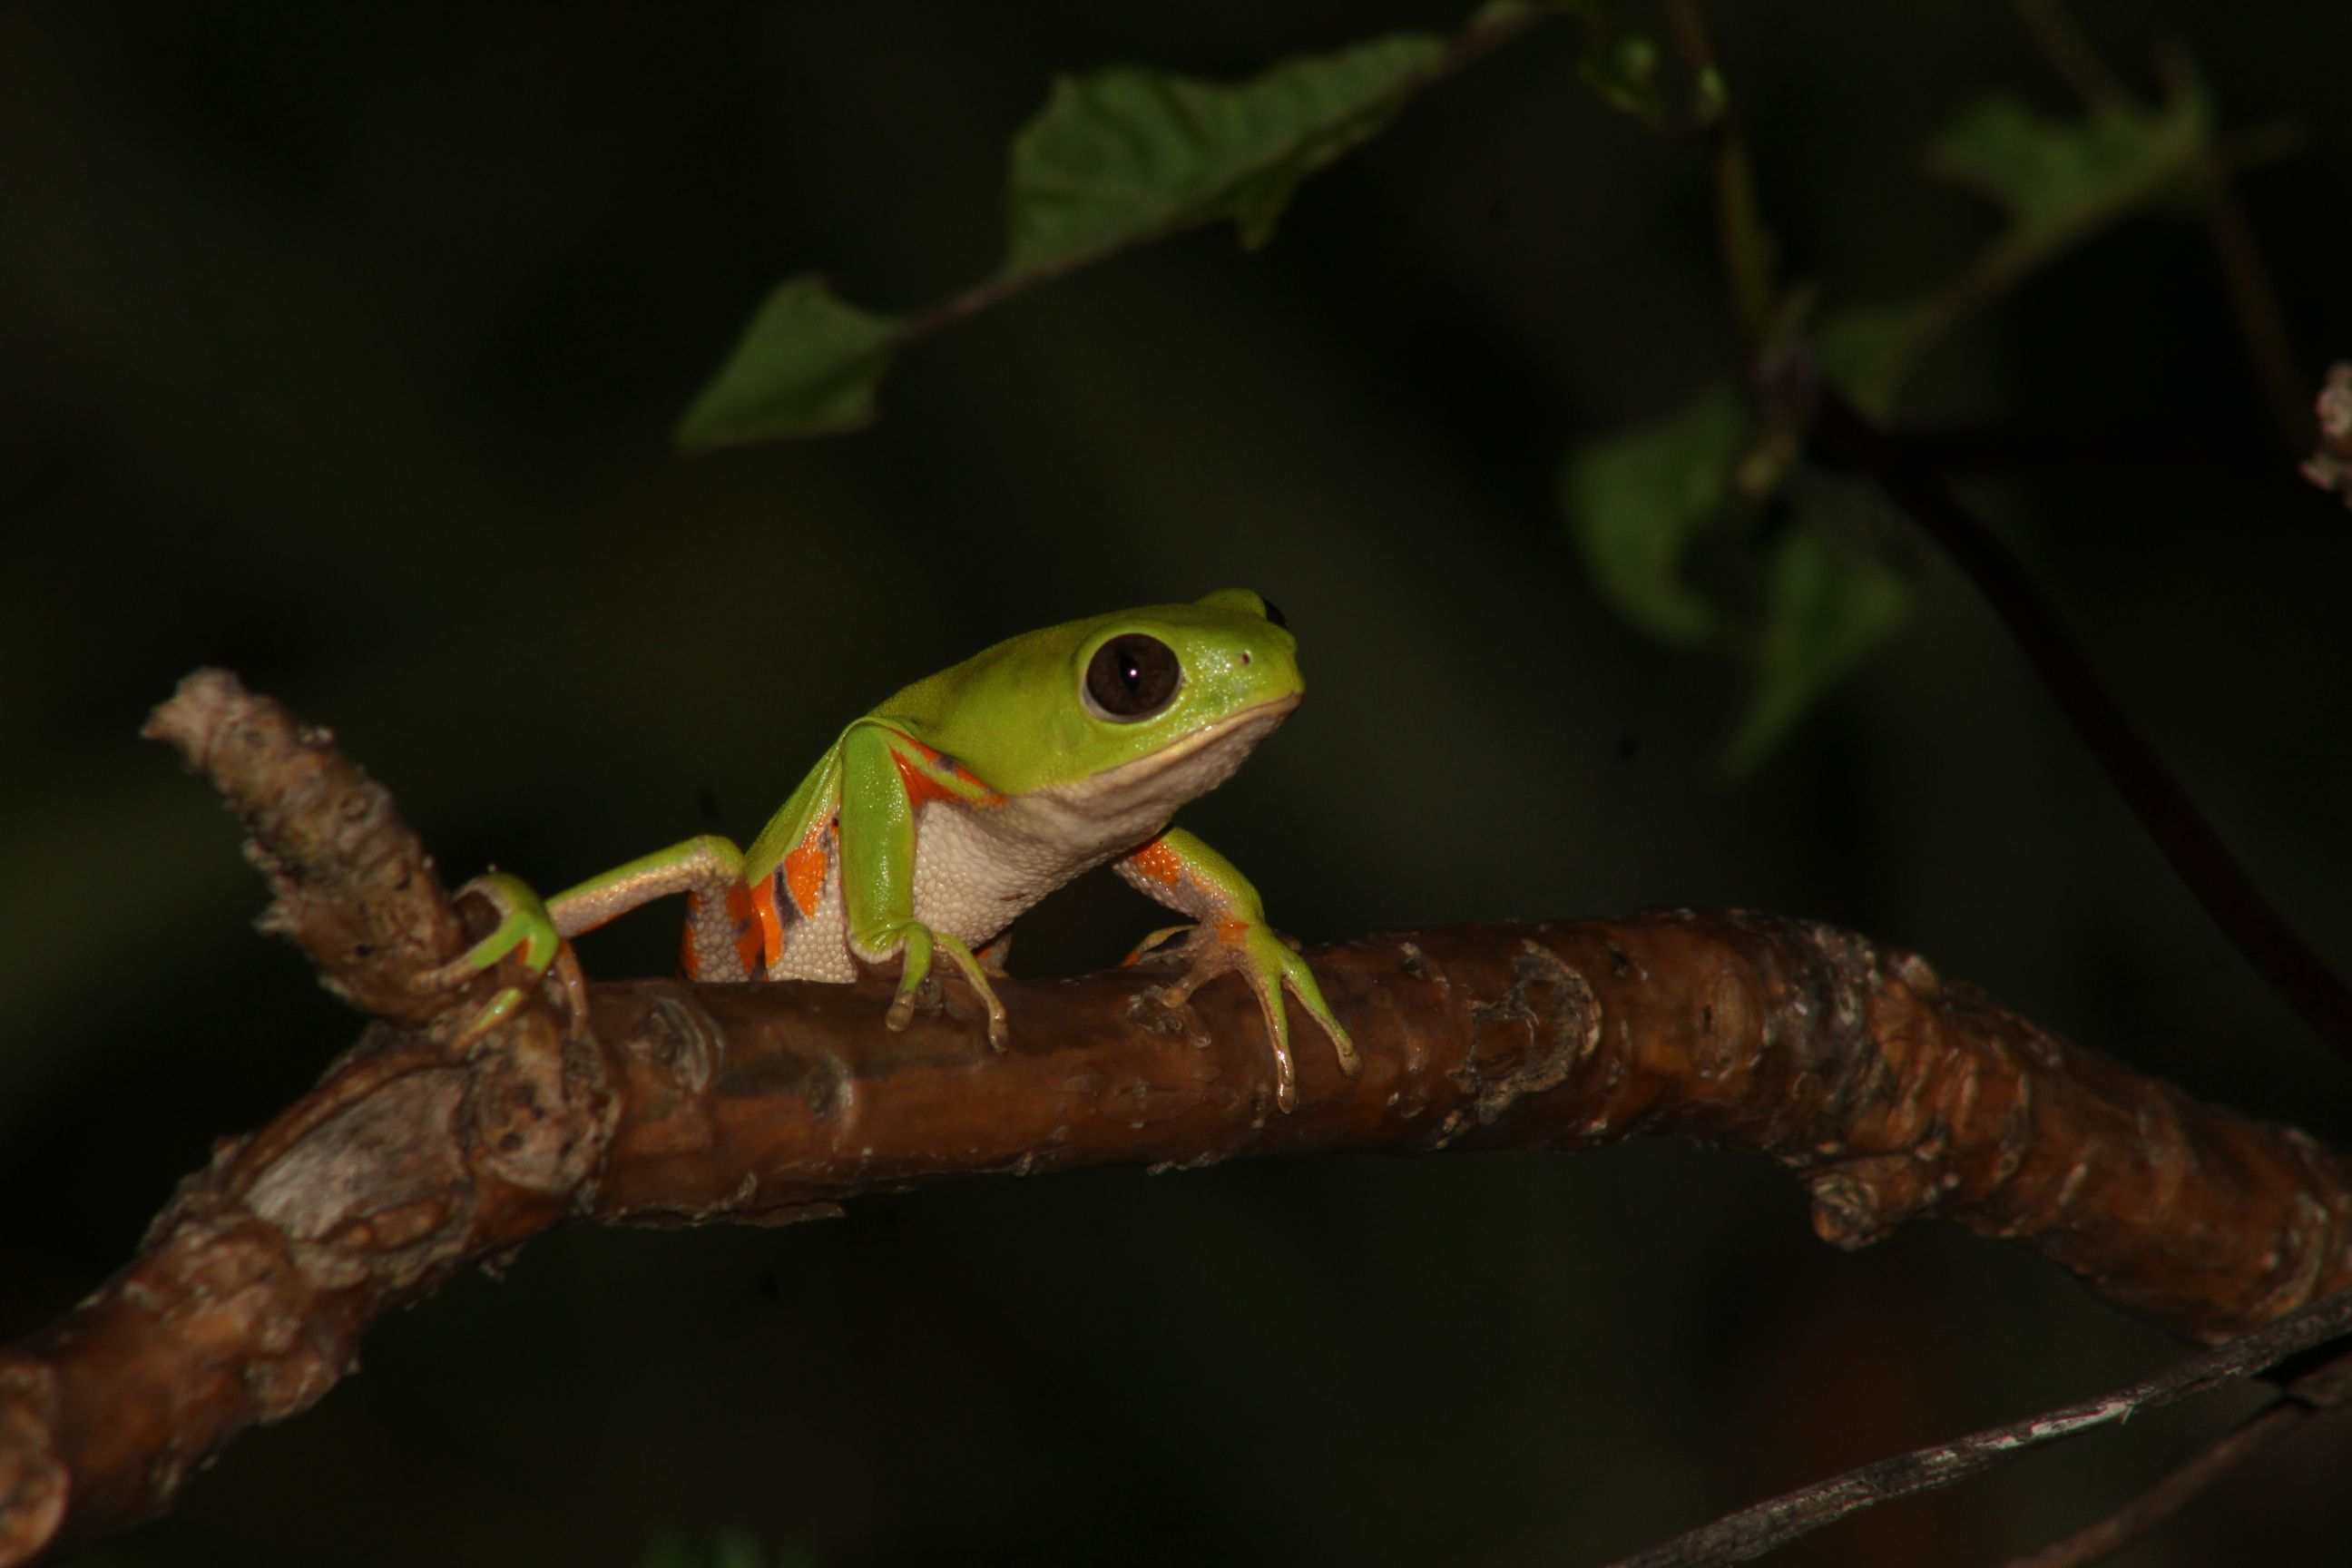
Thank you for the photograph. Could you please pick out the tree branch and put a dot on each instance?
(1892, 1094)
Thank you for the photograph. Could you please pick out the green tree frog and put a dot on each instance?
(941, 815)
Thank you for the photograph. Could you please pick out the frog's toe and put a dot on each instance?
(999, 1028)
(1166, 945)
(1278, 1036)
(497, 1011)
(990, 956)
(523, 924)
(919, 983)
(1300, 979)
(525, 928)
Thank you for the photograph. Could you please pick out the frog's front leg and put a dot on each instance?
(1186, 875)
(878, 878)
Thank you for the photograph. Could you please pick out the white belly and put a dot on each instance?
(978, 868)
(976, 871)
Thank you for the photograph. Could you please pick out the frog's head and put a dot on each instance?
(1163, 702)
(1176, 669)
(1172, 699)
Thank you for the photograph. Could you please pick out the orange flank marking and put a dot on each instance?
(805, 869)
(921, 784)
(772, 925)
(1159, 862)
(923, 781)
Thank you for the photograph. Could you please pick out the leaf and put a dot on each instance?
(1117, 158)
(1638, 501)
(1641, 500)
(1621, 69)
(807, 365)
(1870, 350)
(1826, 605)
(2060, 180)
(1122, 156)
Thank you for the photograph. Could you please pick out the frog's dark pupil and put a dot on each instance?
(1274, 611)
(1132, 676)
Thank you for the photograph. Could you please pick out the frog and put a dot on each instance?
(943, 814)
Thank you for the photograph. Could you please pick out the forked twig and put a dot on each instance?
(2168, 1496)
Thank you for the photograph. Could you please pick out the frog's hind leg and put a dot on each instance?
(723, 938)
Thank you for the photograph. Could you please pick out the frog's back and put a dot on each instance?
(1021, 671)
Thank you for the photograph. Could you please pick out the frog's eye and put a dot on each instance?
(1132, 676)
(1274, 611)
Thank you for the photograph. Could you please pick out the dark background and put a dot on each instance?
(340, 344)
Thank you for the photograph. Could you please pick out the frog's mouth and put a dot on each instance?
(1182, 769)
(1257, 722)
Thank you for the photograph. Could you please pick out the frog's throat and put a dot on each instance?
(1255, 722)
(1183, 769)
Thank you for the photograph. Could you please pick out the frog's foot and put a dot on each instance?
(1168, 945)
(1260, 956)
(992, 955)
(915, 967)
(524, 925)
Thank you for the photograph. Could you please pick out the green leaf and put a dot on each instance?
(1869, 351)
(1621, 69)
(1117, 158)
(807, 365)
(1638, 501)
(2060, 180)
(1826, 605)
(1126, 155)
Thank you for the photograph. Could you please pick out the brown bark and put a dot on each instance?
(1893, 1094)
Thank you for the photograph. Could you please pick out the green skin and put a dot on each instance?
(973, 794)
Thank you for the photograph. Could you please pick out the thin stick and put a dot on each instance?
(2196, 852)
(2269, 348)
(2168, 1496)
(2069, 53)
(1746, 247)
(1752, 1531)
